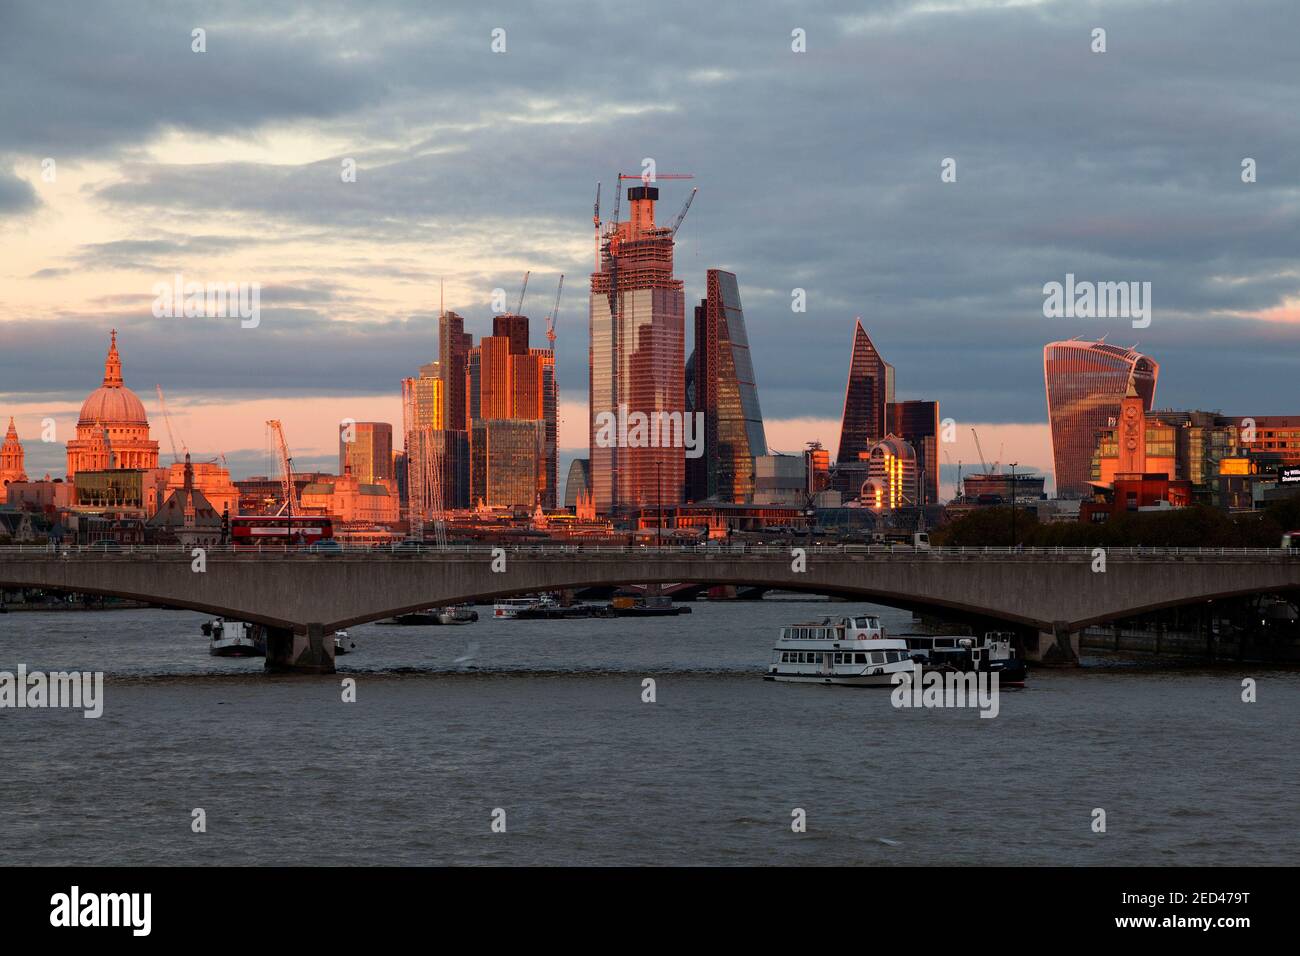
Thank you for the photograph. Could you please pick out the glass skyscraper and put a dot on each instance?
(1086, 382)
(721, 385)
(870, 388)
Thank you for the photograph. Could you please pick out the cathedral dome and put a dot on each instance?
(113, 403)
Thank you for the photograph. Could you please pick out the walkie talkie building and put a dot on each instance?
(1086, 383)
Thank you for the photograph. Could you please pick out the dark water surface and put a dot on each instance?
(551, 727)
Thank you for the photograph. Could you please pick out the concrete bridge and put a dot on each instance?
(1048, 595)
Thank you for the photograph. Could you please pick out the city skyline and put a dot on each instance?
(947, 276)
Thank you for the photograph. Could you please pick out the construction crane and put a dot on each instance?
(656, 177)
(555, 313)
(979, 451)
(286, 465)
(519, 309)
(957, 493)
(677, 223)
(167, 420)
(595, 222)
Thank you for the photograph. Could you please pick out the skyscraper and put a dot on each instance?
(366, 451)
(1086, 382)
(637, 357)
(870, 388)
(917, 423)
(454, 344)
(721, 385)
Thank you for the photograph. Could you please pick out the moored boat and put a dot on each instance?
(993, 652)
(344, 643)
(234, 638)
(509, 608)
(853, 651)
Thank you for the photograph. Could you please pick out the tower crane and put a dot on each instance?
(286, 465)
(677, 223)
(957, 487)
(519, 309)
(167, 420)
(979, 451)
(555, 313)
(595, 222)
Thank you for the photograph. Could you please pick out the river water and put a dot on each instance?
(550, 727)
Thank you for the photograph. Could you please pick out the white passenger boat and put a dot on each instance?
(510, 607)
(234, 639)
(847, 650)
(343, 643)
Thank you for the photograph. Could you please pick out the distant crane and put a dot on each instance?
(677, 223)
(979, 451)
(957, 493)
(555, 313)
(286, 465)
(167, 419)
(519, 309)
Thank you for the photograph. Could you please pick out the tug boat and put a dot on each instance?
(235, 638)
(456, 614)
(993, 652)
(850, 650)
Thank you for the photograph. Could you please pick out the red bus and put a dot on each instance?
(249, 532)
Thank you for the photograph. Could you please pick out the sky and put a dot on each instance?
(127, 158)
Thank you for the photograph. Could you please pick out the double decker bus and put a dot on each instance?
(250, 532)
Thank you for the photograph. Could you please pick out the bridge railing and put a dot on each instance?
(569, 550)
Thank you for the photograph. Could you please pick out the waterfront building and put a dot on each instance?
(113, 430)
(722, 386)
(11, 457)
(994, 488)
(637, 336)
(348, 499)
(1085, 383)
(869, 390)
(917, 423)
(366, 450)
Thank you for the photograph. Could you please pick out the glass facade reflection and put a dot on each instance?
(870, 388)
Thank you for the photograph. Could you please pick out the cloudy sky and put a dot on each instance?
(127, 158)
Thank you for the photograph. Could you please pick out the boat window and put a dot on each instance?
(877, 657)
(860, 658)
(839, 658)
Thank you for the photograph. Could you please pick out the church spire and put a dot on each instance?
(113, 365)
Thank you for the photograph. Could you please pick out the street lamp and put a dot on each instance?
(1013, 503)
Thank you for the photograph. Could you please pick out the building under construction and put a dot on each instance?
(637, 354)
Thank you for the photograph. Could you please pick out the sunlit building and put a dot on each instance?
(113, 430)
(506, 457)
(637, 327)
(366, 449)
(11, 458)
(1086, 383)
(917, 423)
(721, 384)
(869, 390)
(578, 483)
(891, 475)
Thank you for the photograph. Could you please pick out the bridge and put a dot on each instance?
(1048, 595)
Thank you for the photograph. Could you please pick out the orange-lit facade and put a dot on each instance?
(869, 390)
(113, 430)
(1086, 383)
(637, 357)
(11, 457)
(891, 475)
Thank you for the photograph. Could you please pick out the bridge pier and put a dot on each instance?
(304, 650)
(1058, 647)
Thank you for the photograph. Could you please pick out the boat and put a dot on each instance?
(235, 638)
(654, 605)
(853, 651)
(509, 608)
(343, 643)
(453, 614)
(456, 614)
(993, 652)
(558, 612)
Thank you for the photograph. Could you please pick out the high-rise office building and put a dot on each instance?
(917, 423)
(721, 384)
(870, 388)
(366, 451)
(637, 326)
(506, 459)
(1086, 382)
(454, 344)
